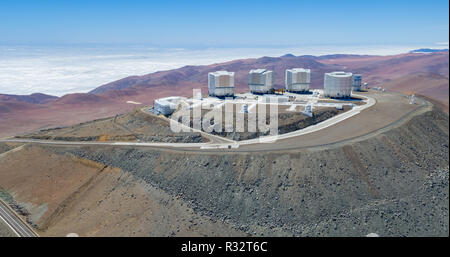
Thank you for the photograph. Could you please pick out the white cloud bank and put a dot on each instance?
(63, 70)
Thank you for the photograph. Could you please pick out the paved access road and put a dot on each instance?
(16, 224)
(390, 110)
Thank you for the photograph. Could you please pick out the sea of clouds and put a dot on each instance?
(59, 70)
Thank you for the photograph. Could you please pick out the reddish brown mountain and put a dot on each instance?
(196, 76)
(36, 98)
(375, 69)
(11, 106)
(82, 98)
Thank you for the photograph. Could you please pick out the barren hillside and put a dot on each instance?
(392, 184)
(133, 126)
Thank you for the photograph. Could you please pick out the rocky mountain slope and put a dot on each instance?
(393, 184)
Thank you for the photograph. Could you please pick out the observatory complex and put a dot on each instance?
(221, 83)
(337, 84)
(298, 80)
(260, 81)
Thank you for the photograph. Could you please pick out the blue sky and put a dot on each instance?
(224, 23)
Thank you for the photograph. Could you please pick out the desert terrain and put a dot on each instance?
(384, 170)
(393, 184)
(425, 74)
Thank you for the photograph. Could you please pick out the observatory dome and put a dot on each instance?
(337, 84)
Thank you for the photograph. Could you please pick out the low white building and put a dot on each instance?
(337, 84)
(260, 81)
(365, 86)
(221, 83)
(298, 80)
(356, 82)
(167, 105)
(308, 110)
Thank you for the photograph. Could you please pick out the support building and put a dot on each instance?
(356, 82)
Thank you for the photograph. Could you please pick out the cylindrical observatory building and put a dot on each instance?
(260, 81)
(221, 83)
(337, 84)
(356, 82)
(298, 80)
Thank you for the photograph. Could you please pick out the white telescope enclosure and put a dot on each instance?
(337, 84)
(221, 83)
(260, 81)
(298, 80)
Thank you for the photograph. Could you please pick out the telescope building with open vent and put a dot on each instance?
(221, 83)
(337, 84)
(298, 80)
(260, 81)
(356, 82)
